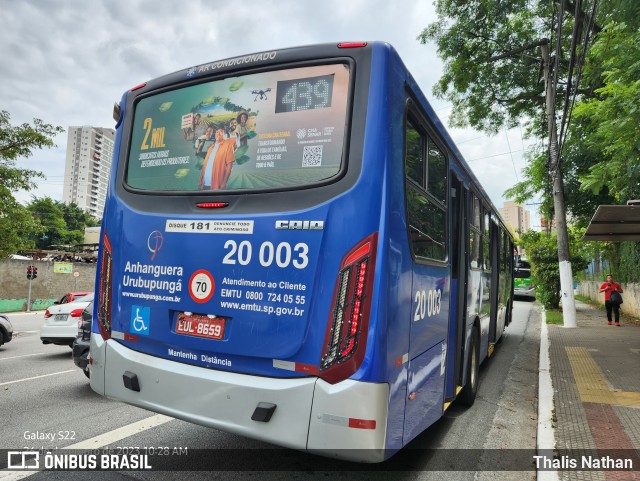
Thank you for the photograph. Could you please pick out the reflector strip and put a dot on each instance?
(402, 360)
(130, 337)
(349, 422)
(295, 366)
(288, 365)
(335, 420)
(307, 368)
(362, 423)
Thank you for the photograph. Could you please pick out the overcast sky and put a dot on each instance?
(67, 61)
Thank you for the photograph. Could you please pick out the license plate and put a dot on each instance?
(200, 326)
(60, 317)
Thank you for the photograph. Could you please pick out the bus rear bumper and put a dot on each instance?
(346, 420)
(349, 421)
(218, 399)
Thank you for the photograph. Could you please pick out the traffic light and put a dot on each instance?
(34, 272)
(29, 273)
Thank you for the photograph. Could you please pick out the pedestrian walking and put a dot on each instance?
(611, 304)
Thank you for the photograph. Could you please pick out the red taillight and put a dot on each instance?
(212, 205)
(138, 87)
(346, 336)
(47, 314)
(352, 44)
(76, 313)
(104, 294)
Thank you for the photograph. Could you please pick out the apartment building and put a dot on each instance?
(516, 216)
(87, 167)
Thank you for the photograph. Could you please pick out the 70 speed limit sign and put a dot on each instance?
(201, 286)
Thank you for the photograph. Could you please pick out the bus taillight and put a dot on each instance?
(346, 335)
(104, 295)
(352, 44)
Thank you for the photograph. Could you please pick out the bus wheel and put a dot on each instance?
(468, 393)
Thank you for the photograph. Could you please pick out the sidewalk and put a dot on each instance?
(595, 373)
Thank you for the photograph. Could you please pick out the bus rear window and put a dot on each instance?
(271, 130)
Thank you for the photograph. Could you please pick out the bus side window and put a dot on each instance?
(475, 232)
(426, 226)
(437, 173)
(426, 199)
(414, 161)
(486, 249)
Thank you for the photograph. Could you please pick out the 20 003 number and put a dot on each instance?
(283, 254)
(427, 303)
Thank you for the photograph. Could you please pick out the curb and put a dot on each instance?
(545, 438)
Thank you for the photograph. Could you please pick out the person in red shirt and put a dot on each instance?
(608, 287)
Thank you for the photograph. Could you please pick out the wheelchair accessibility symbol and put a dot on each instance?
(140, 320)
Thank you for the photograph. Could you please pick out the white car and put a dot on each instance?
(61, 321)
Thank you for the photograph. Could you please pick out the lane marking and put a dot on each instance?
(36, 377)
(24, 355)
(591, 383)
(105, 439)
(97, 442)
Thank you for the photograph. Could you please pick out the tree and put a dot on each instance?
(542, 252)
(76, 218)
(17, 227)
(62, 224)
(608, 122)
(495, 78)
(51, 217)
(21, 141)
(488, 92)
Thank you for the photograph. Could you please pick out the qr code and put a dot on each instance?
(312, 156)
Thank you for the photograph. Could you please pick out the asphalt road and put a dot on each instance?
(42, 393)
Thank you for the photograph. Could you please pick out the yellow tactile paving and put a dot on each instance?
(591, 383)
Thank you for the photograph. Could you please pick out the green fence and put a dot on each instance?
(18, 305)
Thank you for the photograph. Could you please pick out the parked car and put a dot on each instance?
(6, 330)
(61, 321)
(82, 342)
(522, 284)
(71, 297)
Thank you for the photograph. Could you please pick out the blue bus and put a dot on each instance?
(294, 250)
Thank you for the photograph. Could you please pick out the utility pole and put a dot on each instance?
(560, 212)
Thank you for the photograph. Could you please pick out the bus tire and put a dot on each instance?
(468, 393)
